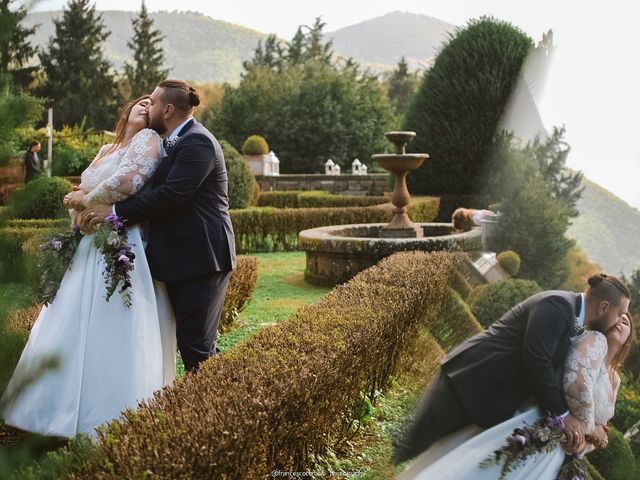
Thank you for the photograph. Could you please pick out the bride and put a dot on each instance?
(109, 356)
(591, 382)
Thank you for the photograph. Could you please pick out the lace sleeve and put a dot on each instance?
(135, 168)
(583, 365)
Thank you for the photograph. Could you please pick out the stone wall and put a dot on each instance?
(372, 184)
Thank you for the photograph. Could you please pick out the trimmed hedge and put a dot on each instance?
(239, 292)
(279, 199)
(455, 323)
(321, 199)
(316, 199)
(460, 284)
(492, 301)
(40, 198)
(260, 408)
(271, 229)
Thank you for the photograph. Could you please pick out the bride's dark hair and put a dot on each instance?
(121, 124)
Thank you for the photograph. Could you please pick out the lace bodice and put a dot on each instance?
(123, 172)
(588, 390)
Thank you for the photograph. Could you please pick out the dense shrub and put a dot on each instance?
(258, 407)
(320, 199)
(309, 104)
(460, 284)
(495, 299)
(40, 198)
(242, 183)
(617, 460)
(255, 145)
(316, 199)
(271, 229)
(580, 269)
(239, 291)
(509, 261)
(279, 199)
(455, 323)
(458, 106)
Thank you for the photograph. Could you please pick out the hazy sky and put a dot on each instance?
(593, 87)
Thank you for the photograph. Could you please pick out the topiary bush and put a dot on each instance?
(241, 286)
(509, 261)
(40, 198)
(460, 101)
(242, 184)
(495, 299)
(460, 284)
(255, 145)
(617, 460)
(455, 323)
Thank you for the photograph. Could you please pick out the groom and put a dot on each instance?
(484, 380)
(191, 245)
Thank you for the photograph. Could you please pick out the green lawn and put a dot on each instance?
(280, 291)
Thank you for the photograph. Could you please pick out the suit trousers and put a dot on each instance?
(439, 412)
(197, 306)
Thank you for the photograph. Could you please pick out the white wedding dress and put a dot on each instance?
(110, 356)
(589, 394)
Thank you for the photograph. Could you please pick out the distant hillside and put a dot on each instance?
(197, 47)
(608, 229)
(381, 41)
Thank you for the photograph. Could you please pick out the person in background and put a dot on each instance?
(32, 162)
(464, 219)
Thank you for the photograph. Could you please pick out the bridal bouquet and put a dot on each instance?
(544, 436)
(55, 260)
(112, 242)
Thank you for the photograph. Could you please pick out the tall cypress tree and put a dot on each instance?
(147, 70)
(15, 48)
(79, 81)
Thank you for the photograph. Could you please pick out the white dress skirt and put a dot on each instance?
(110, 357)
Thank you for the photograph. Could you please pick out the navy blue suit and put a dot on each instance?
(191, 244)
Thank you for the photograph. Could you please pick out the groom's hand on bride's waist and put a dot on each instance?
(574, 434)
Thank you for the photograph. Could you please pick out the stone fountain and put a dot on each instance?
(336, 253)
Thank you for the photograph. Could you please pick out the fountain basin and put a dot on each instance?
(336, 253)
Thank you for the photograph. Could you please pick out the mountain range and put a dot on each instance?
(203, 49)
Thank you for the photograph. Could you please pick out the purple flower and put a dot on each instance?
(521, 440)
(56, 245)
(555, 422)
(123, 259)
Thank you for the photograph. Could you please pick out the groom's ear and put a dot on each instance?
(169, 110)
(603, 308)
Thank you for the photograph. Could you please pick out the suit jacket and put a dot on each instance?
(521, 354)
(186, 207)
(31, 164)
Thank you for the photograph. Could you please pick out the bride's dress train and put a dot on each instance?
(110, 357)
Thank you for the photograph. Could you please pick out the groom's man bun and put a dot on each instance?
(179, 94)
(608, 288)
